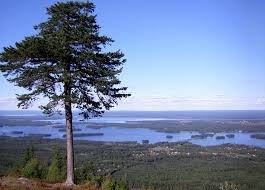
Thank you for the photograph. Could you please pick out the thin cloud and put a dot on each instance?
(4, 100)
(260, 101)
(253, 82)
(8, 102)
(189, 103)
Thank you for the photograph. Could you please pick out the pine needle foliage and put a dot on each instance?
(66, 61)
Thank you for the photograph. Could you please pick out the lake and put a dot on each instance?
(114, 134)
(120, 134)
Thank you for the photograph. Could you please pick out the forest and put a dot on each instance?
(155, 166)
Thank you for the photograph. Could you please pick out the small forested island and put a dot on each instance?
(17, 132)
(169, 137)
(202, 136)
(39, 135)
(64, 130)
(220, 137)
(258, 136)
(230, 136)
(85, 134)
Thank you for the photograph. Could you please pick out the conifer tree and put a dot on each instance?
(56, 170)
(66, 63)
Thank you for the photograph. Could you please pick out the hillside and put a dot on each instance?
(7, 183)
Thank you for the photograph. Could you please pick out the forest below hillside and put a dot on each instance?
(159, 166)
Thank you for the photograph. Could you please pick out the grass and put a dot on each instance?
(11, 183)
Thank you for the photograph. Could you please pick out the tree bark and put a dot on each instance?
(69, 140)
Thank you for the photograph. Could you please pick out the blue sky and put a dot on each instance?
(182, 54)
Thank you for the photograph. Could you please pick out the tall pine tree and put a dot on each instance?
(66, 63)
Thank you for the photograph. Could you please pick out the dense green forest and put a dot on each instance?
(158, 166)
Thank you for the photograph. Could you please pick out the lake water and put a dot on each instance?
(115, 134)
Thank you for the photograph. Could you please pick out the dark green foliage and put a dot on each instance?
(122, 184)
(154, 166)
(57, 168)
(66, 62)
(97, 181)
(109, 183)
(85, 173)
(29, 154)
(30, 167)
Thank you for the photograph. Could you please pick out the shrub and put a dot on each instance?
(14, 172)
(29, 154)
(57, 169)
(85, 173)
(54, 173)
(97, 181)
(31, 169)
(109, 183)
(122, 184)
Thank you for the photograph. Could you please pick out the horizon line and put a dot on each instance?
(148, 110)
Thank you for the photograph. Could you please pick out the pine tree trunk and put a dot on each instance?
(69, 142)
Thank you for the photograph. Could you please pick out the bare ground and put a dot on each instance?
(11, 183)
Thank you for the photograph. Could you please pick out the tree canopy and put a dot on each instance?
(66, 60)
